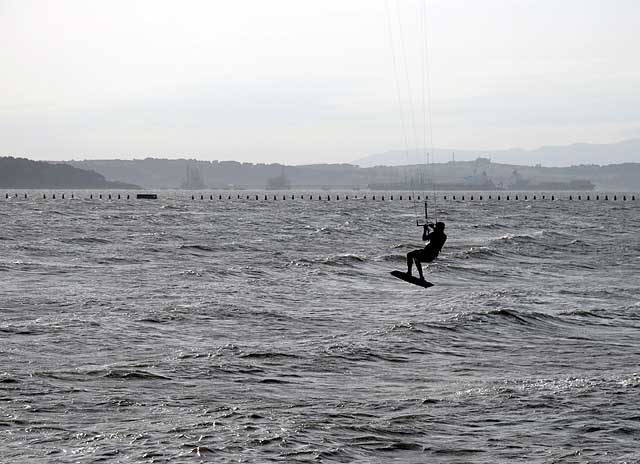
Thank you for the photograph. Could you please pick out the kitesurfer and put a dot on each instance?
(430, 252)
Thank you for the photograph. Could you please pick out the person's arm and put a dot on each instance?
(425, 232)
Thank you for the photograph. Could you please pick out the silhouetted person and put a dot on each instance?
(430, 251)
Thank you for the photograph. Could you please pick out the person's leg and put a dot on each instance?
(422, 257)
(419, 267)
(410, 258)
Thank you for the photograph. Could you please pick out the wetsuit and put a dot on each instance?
(432, 249)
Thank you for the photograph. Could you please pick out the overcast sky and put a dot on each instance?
(300, 81)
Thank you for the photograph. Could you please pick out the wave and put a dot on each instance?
(223, 247)
(409, 246)
(510, 387)
(302, 262)
(588, 314)
(196, 247)
(579, 243)
(120, 260)
(273, 381)
(477, 252)
(30, 248)
(519, 237)
(267, 355)
(489, 226)
(346, 259)
(391, 258)
(127, 374)
(501, 317)
(353, 352)
(85, 240)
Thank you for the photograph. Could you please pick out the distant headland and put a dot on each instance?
(23, 173)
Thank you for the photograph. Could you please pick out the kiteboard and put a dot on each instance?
(411, 279)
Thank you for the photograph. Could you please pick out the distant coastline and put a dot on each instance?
(481, 174)
(574, 185)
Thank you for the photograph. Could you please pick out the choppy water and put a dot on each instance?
(270, 331)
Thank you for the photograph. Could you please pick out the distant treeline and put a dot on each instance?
(24, 173)
(164, 173)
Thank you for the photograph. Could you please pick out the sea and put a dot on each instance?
(182, 330)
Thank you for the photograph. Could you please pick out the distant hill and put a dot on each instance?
(24, 173)
(174, 173)
(627, 151)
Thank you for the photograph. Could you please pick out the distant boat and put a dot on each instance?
(193, 179)
(280, 182)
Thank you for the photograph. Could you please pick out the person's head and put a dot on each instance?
(439, 226)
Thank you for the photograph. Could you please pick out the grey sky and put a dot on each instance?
(297, 81)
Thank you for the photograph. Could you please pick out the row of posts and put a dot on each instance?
(53, 196)
(445, 197)
(605, 197)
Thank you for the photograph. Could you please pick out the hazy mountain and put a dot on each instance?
(24, 173)
(566, 155)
